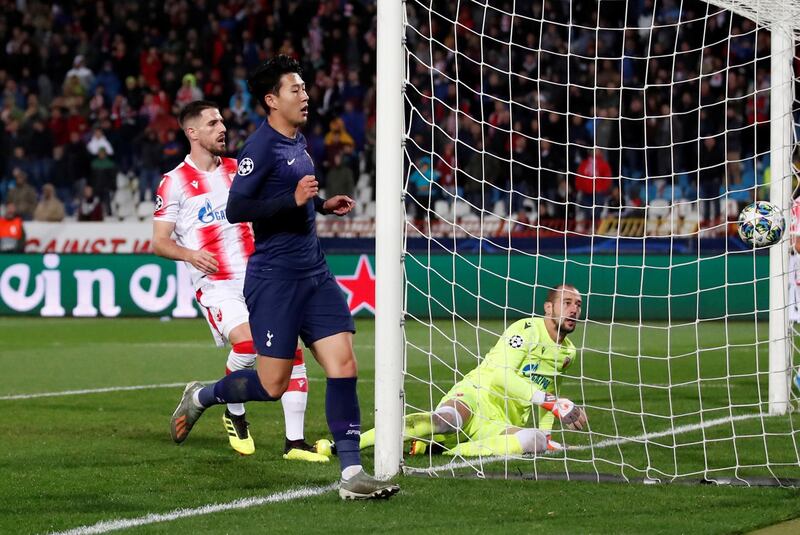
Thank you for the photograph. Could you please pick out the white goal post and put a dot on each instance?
(472, 99)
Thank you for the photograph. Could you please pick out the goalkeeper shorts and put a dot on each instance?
(489, 417)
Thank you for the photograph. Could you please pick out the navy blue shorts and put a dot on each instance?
(281, 310)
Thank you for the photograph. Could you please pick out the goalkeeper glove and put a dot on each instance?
(571, 415)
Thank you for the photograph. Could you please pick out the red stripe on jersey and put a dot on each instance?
(299, 384)
(211, 241)
(246, 240)
(298, 357)
(794, 224)
(228, 170)
(162, 193)
(192, 181)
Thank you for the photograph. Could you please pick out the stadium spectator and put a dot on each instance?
(103, 177)
(99, 141)
(22, 195)
(148, 163)
(340, 179)
(710, 176)
(593, 181)
(12, 231)
(50, 208)
(189, 91)
(421, 185)
(81, 73)
(336, 140)
(90, 208)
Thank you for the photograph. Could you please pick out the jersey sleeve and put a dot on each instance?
(246, 201)
(251, 173)
(168, 200)
(514, 346)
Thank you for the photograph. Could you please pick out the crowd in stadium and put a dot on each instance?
(91, 91)
(559, 121)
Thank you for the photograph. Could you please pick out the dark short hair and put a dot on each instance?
(553, 292)
(193, 110)
(266, 78)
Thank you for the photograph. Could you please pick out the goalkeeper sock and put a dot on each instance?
(422, 425)
(344, 419)
(497, 445)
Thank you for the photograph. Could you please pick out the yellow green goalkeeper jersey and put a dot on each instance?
(525, 359)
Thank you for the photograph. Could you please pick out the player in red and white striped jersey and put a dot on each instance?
(794, 275)
(190, 205)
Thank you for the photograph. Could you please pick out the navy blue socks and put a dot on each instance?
(238, 387)
(344, 419)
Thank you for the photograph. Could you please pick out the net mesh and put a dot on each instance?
(612, 146)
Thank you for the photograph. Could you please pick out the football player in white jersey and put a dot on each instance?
(794, 278)
(189, 225)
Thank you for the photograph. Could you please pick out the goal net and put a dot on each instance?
(611, 146)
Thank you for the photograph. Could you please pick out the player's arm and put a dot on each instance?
(518, 343)
(338, 205)
(244, 206)
(165, 246)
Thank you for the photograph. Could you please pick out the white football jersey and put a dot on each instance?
(195, 201)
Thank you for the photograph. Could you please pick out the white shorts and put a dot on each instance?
(224, 306)
(794, 288)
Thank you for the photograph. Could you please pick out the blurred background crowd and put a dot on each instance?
(540, 114)
(91, 89)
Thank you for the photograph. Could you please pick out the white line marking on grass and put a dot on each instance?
(89, 391)
(602, 444)
(112, 525)
(123, 389)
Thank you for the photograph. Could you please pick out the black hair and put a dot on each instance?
(194, 109)
(266, 79)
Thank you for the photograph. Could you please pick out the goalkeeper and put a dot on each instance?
(492, 404)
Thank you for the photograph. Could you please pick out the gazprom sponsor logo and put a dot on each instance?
(208, 215)
(529, 369)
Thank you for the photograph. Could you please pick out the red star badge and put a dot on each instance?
(360, 287)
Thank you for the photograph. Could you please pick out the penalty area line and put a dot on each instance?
(645, 437)
(112, 525)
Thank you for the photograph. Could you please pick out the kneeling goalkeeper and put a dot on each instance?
(492, 404)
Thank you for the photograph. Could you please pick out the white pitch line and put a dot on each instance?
(122, 389)
(602, 444)
(112, 525)
(89, 391)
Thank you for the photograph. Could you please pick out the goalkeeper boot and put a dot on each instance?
(797, 380)
(300, 450)
(238, 430)
(186, 413)
(363, 486)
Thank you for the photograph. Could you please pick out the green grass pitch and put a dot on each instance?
(75, 460)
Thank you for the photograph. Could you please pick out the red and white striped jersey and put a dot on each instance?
(195, 201)
(794, 224)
